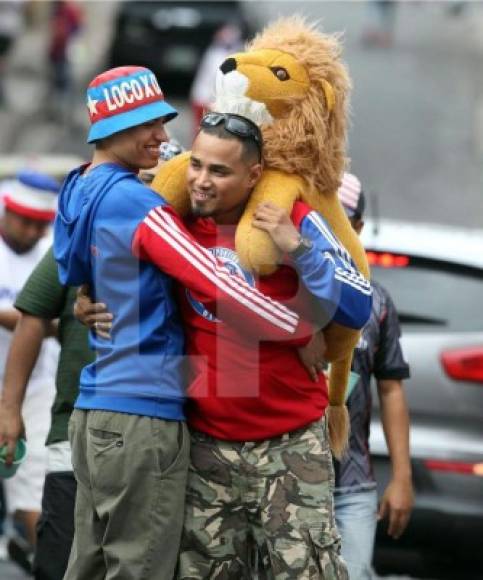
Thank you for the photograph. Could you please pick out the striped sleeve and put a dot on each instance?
(342, 293)
(163, 240)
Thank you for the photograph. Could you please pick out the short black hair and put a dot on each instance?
(251, 151)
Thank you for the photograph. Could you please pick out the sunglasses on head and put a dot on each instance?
(236, 125)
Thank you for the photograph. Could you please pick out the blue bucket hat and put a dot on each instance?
(124, 97)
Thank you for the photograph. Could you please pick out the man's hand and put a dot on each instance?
(277, 223)
(397, 503)
(312, 356)
(11, 429)
(93, 315)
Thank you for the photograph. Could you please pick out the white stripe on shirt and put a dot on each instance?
(238, 284)
(219, 280)
(350, 272)
(366, 291)
(328, 235)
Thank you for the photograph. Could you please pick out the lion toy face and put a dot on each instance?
(263, 84)
(292, 83)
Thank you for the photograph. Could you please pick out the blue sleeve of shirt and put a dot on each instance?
(130, 202)
(342, 293)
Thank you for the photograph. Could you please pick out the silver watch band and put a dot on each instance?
(303, 246)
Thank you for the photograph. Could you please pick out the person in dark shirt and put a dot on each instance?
(378, 354)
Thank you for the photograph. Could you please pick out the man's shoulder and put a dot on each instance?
(380, 293)
(131, 199)
(383, 306)
(131, 188)
(379, 287)
(42, 293)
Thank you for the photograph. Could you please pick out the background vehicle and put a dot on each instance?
(435, 276)
(170, 37)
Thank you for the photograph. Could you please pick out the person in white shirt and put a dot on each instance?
(29, 204)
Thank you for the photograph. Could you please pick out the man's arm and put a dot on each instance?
(9, 318)
(163, 240)
(22, 356)
(40, 300)
(390, 369)
(326, 269)
(397, 501)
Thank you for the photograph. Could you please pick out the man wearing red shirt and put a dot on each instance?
(261, 475)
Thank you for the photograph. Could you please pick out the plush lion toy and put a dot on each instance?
(291, 82)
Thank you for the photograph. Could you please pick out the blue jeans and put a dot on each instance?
(356, 517)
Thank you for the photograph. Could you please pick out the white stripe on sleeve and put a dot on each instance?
(350, 273)
(207, 257)
(206, 264)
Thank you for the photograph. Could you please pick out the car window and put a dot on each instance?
(431, 295)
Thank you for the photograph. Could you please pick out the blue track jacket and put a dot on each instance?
(123, 239)
(139, 370)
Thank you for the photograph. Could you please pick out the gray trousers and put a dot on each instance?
(131, 477)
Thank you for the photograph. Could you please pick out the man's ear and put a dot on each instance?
(254, 174)
(359, 226)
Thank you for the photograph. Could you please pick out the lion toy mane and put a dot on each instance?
(292, 83)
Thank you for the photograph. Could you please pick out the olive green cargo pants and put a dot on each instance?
(131, 481)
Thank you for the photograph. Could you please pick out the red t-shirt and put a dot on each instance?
(243, 389)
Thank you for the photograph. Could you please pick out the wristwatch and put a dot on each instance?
(303, 246)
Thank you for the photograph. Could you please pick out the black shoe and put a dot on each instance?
(21, 553)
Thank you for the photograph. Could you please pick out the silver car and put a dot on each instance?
(434, 274)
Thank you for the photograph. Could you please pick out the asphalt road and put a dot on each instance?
(9, 571)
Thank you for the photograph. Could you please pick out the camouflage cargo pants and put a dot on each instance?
(261, 509)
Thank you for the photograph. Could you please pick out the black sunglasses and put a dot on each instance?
(236, 125)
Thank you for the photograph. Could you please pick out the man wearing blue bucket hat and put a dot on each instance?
(128, 436)
(123, 98)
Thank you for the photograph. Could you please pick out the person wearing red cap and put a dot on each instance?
(29, 204)
(377, 355)
(130, 445)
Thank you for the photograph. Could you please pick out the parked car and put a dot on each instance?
(435, 275)
(170, 37)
